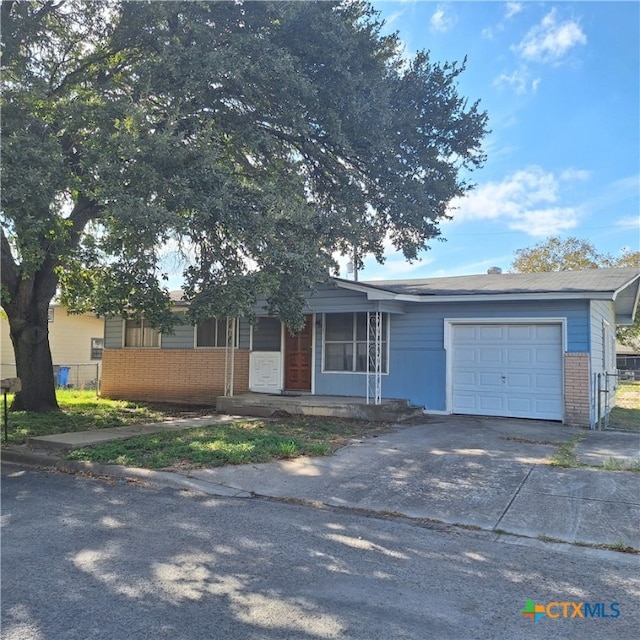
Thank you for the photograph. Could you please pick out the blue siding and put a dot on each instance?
(417, 359)
(601, 312)
(113, 333)
(182, 337)
(244, 339)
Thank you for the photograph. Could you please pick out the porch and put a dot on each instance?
(266, 405)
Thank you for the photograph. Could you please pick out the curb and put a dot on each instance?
(49, 460)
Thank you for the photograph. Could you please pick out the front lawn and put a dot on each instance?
(84, 411)
(241, 442)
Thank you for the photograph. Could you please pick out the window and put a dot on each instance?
(213, 333)
(50, 314)
(97, 344)
(345, 342)
(266, 334)
(139, 333)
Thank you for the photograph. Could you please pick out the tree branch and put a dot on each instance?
(9, 268)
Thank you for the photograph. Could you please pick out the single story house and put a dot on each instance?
(515, 345)
(75, 341)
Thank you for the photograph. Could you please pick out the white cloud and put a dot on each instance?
(442, 21)
(518, 81)
(513, 8)
(629, 222)
(580, 175)
(527, 200)
(546, 222)
(551, 40)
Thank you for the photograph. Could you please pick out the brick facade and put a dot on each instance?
(577, 389)
(190, 376)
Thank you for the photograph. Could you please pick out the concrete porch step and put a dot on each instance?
(266, 405)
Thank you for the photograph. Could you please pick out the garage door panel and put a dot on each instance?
(519, 356)
(520, 332)
(519, 406)
(462, 333)
(465, 379)
(490, 403)
(490, 332)
(490, 356)
(508, 370)
(518, 381)
(548, 382)
(466, 403)
(547, 356)
(487, 380)
(464, 355)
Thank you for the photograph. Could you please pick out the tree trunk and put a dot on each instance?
(30, 336)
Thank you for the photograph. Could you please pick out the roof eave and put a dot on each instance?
(493, 297)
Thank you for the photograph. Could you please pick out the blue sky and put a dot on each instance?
(561, 84)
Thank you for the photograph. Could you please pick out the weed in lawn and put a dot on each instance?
(239, 442)
(615, 464)
(566, 456)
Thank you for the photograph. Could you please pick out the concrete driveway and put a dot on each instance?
(490, 473)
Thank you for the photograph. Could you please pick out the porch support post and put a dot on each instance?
(374, 357)
(230, 356)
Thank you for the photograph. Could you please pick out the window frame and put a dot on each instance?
(142, 328)
(93, 349)
(216, 333)
(354, 343)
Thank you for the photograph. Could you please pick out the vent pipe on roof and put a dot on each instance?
(494, 270)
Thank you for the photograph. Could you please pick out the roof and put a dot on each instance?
(590, 281)
(622, 286)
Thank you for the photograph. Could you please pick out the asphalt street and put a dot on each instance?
(86, 558)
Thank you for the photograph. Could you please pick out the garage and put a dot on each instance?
(510, 370)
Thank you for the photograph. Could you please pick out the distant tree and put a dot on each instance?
(574, 254)
(260, 138)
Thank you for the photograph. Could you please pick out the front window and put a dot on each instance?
(213, 333)
(97, 344)
(139, 333)
(345, 342)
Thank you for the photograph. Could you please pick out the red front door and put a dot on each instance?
(297, 354)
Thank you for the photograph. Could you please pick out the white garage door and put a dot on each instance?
(511, 370)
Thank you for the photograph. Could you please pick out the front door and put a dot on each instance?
(297, 353)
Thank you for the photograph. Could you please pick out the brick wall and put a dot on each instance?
(577, 389)
(191, 376)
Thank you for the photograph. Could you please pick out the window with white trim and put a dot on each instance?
(97, 345)
(140, 333)
(345, 342)
(213, 333)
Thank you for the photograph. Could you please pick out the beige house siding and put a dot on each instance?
(70, 341)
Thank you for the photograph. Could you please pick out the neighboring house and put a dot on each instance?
(628, 360)
(514, 345)
(76, 342)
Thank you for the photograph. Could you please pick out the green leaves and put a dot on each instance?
(260, 137)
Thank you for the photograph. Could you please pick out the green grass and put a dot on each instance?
(626, 413)
(81, 411)
(566, 456)
(241, 442)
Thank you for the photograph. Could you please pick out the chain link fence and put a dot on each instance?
(67, 376)
(628, 366)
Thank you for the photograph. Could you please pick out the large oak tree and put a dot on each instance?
(258, 138)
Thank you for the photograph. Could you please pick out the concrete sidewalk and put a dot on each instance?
(480, 472)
